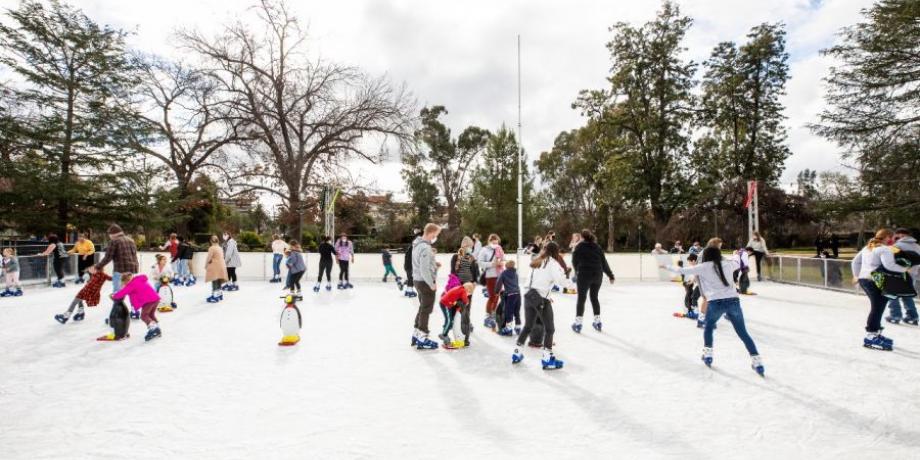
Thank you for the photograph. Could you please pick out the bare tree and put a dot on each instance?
(307, 115)
(184, 121)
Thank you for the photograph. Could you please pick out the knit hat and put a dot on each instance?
(114, 228)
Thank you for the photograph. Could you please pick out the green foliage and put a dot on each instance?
(492, 203)
(252, 240)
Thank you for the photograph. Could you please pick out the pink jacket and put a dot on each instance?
(139, 291)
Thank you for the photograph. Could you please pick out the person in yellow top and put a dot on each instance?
(85, 249)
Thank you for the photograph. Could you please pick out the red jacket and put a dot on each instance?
(450, 298)
(90, 292)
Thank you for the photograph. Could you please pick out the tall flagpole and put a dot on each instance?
(520, 185)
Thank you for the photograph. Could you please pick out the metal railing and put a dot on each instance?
(833, 274)
(38, 270)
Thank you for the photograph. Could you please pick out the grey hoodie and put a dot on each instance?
(423, 263)
(909, 243)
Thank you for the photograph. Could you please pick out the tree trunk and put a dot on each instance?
(611, 230)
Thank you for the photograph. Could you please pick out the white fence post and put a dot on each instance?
(798, 269)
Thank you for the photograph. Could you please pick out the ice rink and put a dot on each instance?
(216, 385)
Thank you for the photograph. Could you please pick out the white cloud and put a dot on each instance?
(462, 54)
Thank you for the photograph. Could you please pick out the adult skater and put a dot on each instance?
(172, 245)
(905, 242)
(232, 261)
(533, 249)
(326, 256)
(477, 245)
(185, 254)
(407, 265)
(590, 264)
(546, 271)
(695, 248)
(121, 252)
(875, 255)
(84, 249)
(491, 260)
(425, 268)
(678, 248)
(345, 253)
(215, 270)
(759, 247)
(712, 277)
(279, 247)
(58, 255)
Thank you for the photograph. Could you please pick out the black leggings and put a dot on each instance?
(83, 264)
(294, 280)
(343, 270)
(538, 307)
(325, 266)
(58, 264)
(215, 285)
(231, 274)
(758, 258)
(588, 284)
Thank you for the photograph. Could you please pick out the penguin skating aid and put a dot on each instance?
(291, 322)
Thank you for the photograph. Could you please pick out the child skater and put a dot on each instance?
(161, 273)
(296, 268)
(546, 272)
(455, 300)
(741, 274)
(723, 300)
(326, 254)
(691, 289)
(143, 298)
(90, 294)
(388, 265)
(160, 269)
(507, 285)
(11, 274)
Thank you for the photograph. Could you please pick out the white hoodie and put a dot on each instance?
(547, 275)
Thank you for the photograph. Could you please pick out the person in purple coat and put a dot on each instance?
(345, 253)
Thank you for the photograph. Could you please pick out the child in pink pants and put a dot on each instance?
(142, 296)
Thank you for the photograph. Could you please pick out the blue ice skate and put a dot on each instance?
(485, 292)
(576, 327)
(340, 286)
(878, 343)
(328, 288)
(757, 365)
(399, 282)
(135, 314)
(598, 326)
(58, 284)
(692, 314)
(316, 288)
(17, 292)
(61, 319)
(489, 322)
(426, 344)
(707, 357)
(552, 363)
(348, 285)
(78, 316)
(517, 356)
(893, 320)
(517, 330)
(556, 288)
(506, 331)
(911, 321)
(152, 334)
(214, 298)
(6, 293)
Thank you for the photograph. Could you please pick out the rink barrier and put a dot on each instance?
(831, 274)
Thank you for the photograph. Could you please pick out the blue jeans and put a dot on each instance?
(276, 264)
(894, 305)
(182, 268)
(116, 281)
(731, 308)
(877, 302)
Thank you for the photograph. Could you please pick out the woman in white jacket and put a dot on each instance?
(546, 272)
(759, 247)
(875, 255)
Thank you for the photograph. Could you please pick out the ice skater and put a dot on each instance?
(57, 255)
(160, 269)
(185, 254)
(407, 266)
(10, 266)
(144, 299)
(454, 301)
(388, 265)
(326, 255)
(691, 289)
(296, 268)
(510, 292)
(215, 270)
(425, 267)
(345, 253)
(546, 272)
(491, 260)
(740, 275)
(590, 263)
(723, 300)
(877, 254)
(88, 296)
(232, 260)
(279, 249)
(905, 242)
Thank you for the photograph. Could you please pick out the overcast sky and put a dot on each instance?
(462, 54)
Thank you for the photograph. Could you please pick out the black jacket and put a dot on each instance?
(184, 251)
(326, 252)
(588, 260)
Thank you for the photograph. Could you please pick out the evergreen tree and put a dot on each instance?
(74, 72)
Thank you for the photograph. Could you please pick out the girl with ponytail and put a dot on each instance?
(875, 255)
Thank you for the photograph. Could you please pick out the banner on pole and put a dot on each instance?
(751, 191)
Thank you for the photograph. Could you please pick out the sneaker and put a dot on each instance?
(707, 356)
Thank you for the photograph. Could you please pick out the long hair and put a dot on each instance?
(550, 251)
(588, 236)
(465, 243)
(714, 255)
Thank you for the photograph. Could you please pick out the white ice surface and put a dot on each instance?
(216, 385)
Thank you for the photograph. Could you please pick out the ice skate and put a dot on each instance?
(215, 297)
(576, 326)
(328, 287)
(17, 292)
(152, 334)
(911, 321)
(550, 362)
(506, 331)
(707, 356)
(517, 330)
(485, 292)
(489, 322)
(341, 285)
(135, 314)
(893, 320)
(348, 285)
(517, 356)
(399, 283)
(61, 318)
(757, 365)
(876, 341)
(79, 316)
(424, 343)
(6, 293)
(597, 325)
(58, 284)
(316, 288)
(444, 338)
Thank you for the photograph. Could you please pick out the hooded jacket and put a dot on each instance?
(909, 243)
(423, 263)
